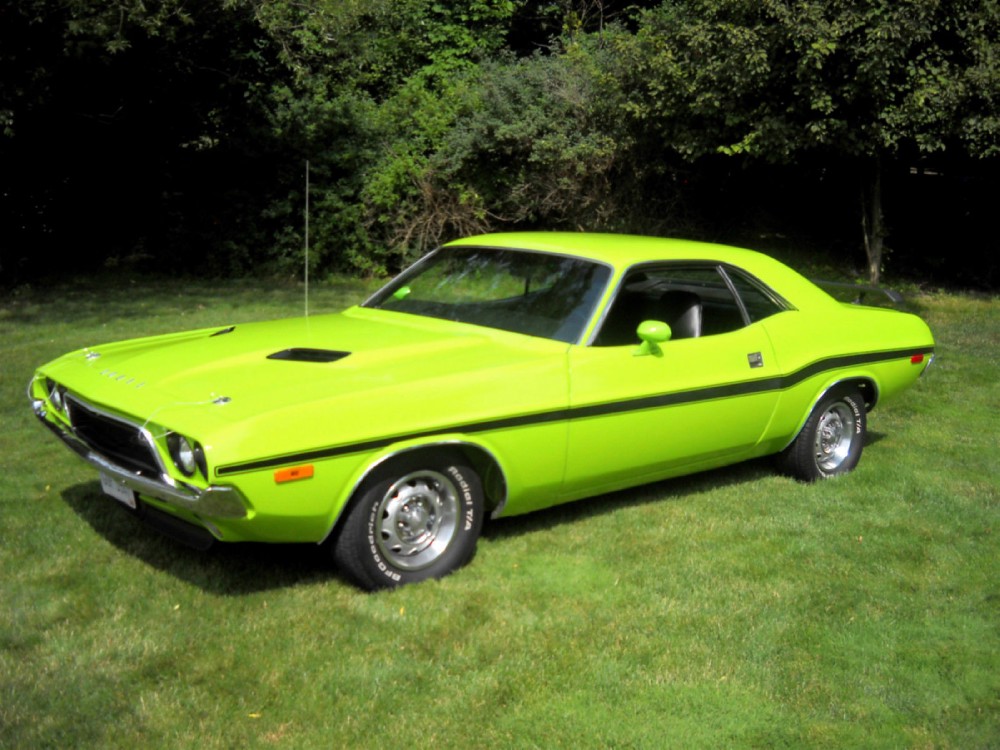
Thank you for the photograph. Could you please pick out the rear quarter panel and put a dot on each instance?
(818, 349)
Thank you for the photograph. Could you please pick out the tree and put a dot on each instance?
(513, 142)
(423, 121)
(118, 121)
(180, 130)
(862, 82)
(368, 97)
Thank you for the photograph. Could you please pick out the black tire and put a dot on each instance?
(831, 440)
(417, 517)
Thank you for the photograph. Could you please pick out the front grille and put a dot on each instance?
(117, 440)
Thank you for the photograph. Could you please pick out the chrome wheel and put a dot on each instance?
(831, 440)
(417, 519)
(834, 437)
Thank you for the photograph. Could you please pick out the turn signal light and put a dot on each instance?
(293, 474)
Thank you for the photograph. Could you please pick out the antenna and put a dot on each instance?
(307, 240)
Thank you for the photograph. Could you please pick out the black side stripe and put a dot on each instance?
(674, 398)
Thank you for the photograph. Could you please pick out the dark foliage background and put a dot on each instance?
(172, 137)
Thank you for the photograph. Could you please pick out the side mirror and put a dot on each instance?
(652, 333)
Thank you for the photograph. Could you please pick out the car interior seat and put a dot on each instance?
(681, 310)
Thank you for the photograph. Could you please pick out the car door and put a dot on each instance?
(703, 398)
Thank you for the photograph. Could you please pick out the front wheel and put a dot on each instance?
(831, 440)
(418, 517)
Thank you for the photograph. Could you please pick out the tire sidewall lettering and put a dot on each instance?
(381, 565)
(857, 414)
(469, 505)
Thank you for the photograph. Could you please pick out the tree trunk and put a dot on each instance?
(872, 224)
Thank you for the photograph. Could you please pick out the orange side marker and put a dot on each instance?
(293, 474)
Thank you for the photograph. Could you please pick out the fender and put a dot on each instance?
(866, 383)
(499, 484)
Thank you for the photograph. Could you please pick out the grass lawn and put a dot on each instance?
(731, 609)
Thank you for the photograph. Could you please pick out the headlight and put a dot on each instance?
(187, 455)
(57, 395)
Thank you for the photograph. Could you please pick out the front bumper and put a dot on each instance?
(207, 502)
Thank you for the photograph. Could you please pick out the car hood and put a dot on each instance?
(352, 367)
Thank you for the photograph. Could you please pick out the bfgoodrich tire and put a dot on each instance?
(831, 440)
(417, 517)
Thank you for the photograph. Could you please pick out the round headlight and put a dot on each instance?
(183, 453)
(56, 393)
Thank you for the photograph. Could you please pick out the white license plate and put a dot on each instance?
(118, 490)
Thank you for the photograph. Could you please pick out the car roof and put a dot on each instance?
(625, 250)
(615, 249)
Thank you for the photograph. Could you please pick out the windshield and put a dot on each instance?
(537, 294)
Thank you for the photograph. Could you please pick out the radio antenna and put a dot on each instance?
(307, 241)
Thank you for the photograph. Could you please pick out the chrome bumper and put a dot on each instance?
(210, 502)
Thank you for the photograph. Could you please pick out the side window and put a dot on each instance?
(757, 300)
(694, 300)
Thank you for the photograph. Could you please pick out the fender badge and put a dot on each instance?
(755, 359)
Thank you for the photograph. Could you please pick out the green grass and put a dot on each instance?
(730, 609)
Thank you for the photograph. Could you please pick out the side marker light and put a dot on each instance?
(293, 474)
(916, 359)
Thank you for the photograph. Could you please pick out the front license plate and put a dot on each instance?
(118, 490)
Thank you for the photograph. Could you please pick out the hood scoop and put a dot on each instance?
(309, 355)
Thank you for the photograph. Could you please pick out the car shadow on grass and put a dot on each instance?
(248, 567)
(656, 492)
(872, 437)
(663, 491)
(224, 569)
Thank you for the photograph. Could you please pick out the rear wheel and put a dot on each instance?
(418, 517)
(831, 440)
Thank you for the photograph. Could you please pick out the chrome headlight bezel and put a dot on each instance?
(187, 455)
(56, 395)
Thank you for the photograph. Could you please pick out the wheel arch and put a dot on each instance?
(482, 460)
(866, 385)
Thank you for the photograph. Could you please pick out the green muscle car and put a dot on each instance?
(499, 375)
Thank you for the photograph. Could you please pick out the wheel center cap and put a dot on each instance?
(830, 433)
(414, 515)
